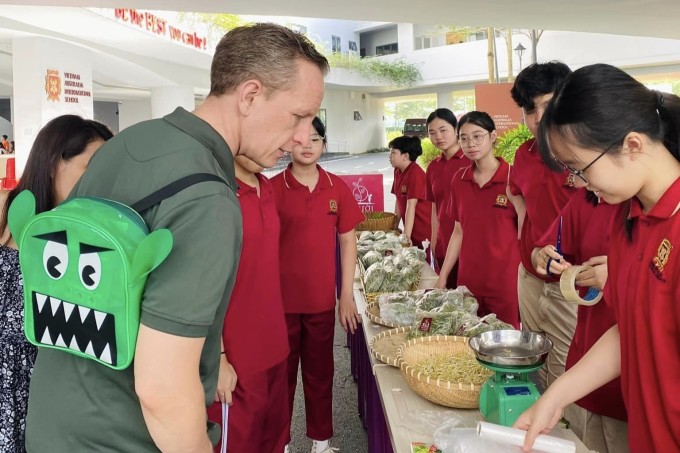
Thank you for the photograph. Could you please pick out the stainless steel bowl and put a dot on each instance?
(516, 348)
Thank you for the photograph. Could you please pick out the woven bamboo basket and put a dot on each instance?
(378, 221)
(451, 394)
(385, 345)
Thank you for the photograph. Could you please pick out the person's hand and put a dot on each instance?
(441, 283)
(595, 277)
(541, 257)
(348, 313)
(226, 381)
(540, 418)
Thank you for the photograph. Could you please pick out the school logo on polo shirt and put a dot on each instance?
(661, 259)
(403, 189)
(333, 206)
(570, 181)
(501, 201)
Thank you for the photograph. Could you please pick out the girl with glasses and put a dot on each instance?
(601, 110)
(484, 237)
(441, 128)
(316, 208)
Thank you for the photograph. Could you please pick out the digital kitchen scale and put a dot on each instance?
(507, 393)
(512, 355)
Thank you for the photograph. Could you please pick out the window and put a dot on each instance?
(299, 28)
(387, 49)
(423, 42)
(353, 46)
(336, 44)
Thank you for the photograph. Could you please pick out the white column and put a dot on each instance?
(50, 78)
(405, 38)
(132, 112)
(165, 100)
(445, 100)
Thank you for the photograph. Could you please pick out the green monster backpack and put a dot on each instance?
(84, 266)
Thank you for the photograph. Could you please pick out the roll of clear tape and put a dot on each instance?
(515, 437)
(569, 291)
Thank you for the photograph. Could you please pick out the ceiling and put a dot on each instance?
(126, 63)
(654, 18)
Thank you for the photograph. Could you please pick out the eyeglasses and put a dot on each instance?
(475, 139)
(314, 139)
(578, 173)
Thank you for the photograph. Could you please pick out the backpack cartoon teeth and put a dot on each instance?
(84, 266)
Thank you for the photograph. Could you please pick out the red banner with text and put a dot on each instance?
(367, 189)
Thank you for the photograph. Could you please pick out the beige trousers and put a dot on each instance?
(543, 309)
(598, 433)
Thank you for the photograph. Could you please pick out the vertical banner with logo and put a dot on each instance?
(367, 190)
(495, 99)
(68, 89)
(51, 78)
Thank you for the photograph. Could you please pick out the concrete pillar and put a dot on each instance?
(165, 100)
(50, 78)
(405, 38)
(133, 112)
(445, 100)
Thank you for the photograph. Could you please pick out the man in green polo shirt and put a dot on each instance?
(266, 87)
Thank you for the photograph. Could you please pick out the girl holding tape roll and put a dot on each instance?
(582, 231)
(487, 220)
(624, 139)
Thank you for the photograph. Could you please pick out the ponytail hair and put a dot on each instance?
(598, 105)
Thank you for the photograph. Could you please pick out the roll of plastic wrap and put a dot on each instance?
(515, 437)
(569, 291)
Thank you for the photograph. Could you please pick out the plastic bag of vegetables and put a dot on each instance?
(371, 258)
(398, 314)
(374, 278)
(429, 323)
(403, 297)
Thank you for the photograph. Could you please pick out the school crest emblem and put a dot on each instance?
(333, 206)
(403, 189)
(659, 262)
(501, 201)
(53, 85)
(570, 181)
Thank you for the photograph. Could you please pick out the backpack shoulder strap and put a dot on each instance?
(174, 188)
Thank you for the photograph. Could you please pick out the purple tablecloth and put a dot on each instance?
(370, 407)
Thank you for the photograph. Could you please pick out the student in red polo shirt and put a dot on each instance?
(410, 188)
(315, 208)
(623, 139)
(253, 377)
(485, 233)
(598, 419)
(540, 193)
(441, 128)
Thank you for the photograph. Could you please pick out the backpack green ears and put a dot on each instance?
(84, 266)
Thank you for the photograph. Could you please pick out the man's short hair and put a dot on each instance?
(263, 51)
(538, 79)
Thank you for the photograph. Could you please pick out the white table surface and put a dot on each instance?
(403, 408)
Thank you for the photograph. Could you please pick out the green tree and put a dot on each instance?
(223, 21)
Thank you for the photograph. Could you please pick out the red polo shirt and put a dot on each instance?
(585, 234)
(256, 305)
(489, 253)
(439, 176)
(545, 193)
(310, 223)
(410, 184)
(643, 289)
